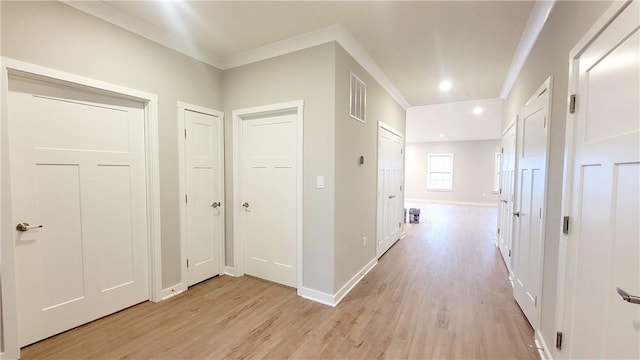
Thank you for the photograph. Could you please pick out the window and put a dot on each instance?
(496, 173)
(440, 172)
(358, 99)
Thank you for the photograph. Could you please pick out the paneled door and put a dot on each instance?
(507, 184)
(79, 206)
(268, 196)
(602, 304)
(533, 124)
(204, 194)
(390, 192)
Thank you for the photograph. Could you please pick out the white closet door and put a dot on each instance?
(390, 193)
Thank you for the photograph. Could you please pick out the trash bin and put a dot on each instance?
(414, 216)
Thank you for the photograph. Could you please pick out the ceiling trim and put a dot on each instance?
(116, 17)
(337, 33)
(537, 19)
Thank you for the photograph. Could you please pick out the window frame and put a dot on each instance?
(429, 172)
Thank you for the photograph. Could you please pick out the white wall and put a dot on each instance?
(473, 168)
(58, 36)
(567, 23)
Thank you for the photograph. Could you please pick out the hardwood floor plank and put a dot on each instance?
(441, 292)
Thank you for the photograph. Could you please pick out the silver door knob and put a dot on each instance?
(25, 226)
(391, 196)
(246, 205)
(216, 205)
(517, 213)
(628, 298)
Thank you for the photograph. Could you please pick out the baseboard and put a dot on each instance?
(344, 290)
(317, 296)
(230, 270)
(447, 202)
(172, 291)
(334, 300)
(542, 347)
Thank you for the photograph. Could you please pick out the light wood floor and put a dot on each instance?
(441, 292)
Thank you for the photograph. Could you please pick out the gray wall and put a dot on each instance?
(55, 35)
(567, 23)
(307, 75)
(356, 185)
(473, 165)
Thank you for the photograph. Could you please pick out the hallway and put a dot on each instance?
(441, 292)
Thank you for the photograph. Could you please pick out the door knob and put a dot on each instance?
(246, 205)
(25, 226)
(504, 201)
(628, 298)
(517, 213)
(216, 205)
(391, 196)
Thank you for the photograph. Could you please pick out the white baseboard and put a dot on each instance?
(334, 300)
(172, 291)
(230, 270)
(447, 202)
(344, 290)
(317, 296)
(543, 349)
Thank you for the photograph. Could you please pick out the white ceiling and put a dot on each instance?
(415, 43)
(456, 121)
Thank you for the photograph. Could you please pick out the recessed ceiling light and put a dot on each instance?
(441, 135)
(445, 85)
(478, 110)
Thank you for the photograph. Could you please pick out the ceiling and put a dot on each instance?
(416, 44)
(455, 121)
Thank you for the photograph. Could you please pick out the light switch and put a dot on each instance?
(320, 182)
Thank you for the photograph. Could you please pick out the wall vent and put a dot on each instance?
(358, 99)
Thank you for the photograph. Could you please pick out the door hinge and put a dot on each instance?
(500, 191)
(185, 133)
(572, 103)
(509, 253)
(498, 231)
(540, 216)
(187, 263)
(501, 150)
(565, 225)
(400, 187)
(559, 340)
(185, 199)
(399, 224)
(535, 301)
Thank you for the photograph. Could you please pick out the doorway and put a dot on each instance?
(268, 192)
(83, 169)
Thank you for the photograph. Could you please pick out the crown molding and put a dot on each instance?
(337, 33)
(102, 10)
(537, 19)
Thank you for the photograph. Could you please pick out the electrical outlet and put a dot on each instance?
(364, 241)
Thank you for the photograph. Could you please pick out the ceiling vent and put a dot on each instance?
(358, 99)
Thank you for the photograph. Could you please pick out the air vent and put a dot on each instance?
(358, 99)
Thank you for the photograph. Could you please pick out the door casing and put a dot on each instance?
(182, 166)
(10, 341)
(238, 116)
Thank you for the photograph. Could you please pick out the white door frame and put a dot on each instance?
(568, 175)
(248, 113)
(379, 227)
(546, 89)
(11, 348)
(513, 124)
(182, 167)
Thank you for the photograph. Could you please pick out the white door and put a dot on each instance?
(390, 193)
(77, 169)
(603, 244)
(507, 184)
(204, 194)
(528, 215)
(268, 194)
